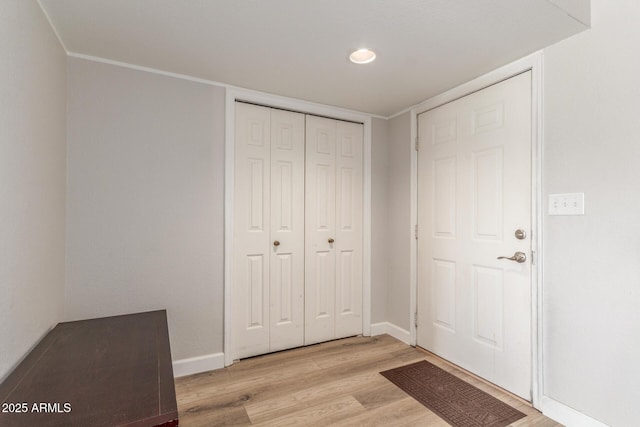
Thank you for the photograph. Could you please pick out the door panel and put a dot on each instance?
(287, 228)
(444, 293)
(487, 180)
(444, 190)
(251, 256)
(334, 209)
(320, 224)
(487, 291)
(255, 292)
(474, 191)
(348, 234)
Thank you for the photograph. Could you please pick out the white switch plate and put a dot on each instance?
(566, 204)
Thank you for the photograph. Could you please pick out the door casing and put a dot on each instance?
(273, 101)
(533, 63)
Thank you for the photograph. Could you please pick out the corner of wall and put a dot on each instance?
(579, 10)
(196, 365)
(391, 329)
(32, 184)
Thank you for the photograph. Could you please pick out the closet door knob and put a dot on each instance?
(331, 240)
(276, 243)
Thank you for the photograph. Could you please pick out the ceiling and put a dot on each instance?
(300, 48)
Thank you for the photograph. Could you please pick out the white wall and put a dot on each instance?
(145, 201)
(591, 264)
(379, 219)
(32, 179)
(399, 233)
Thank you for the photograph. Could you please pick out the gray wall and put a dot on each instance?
(379, 219)
(591, 267)
(400, 226)
(145, 201)
(32, 179)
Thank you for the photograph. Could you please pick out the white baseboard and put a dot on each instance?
(194, 365)
(391, 329)
(566, 415)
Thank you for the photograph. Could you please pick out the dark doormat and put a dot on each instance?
(455, 401)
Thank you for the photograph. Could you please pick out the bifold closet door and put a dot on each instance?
(268, 253)
(333, 223)
(287, 229)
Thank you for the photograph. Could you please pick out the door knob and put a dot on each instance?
(520, 234)
(519, 257)
(276, 243)
(331, 240)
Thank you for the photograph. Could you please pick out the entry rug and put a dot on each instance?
(455, 401)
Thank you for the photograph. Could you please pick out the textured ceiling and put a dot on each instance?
(300, 48)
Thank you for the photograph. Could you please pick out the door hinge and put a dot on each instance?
(415, 231)
(533, 257)
(415, 319)
(417, 143)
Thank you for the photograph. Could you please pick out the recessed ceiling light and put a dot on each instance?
(362, 56)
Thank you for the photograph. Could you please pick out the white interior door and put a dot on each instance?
(251, 230)
(474, 192)
(348, 235)
(320, 224)
(268, 278)
(334, 216)
(287, 230)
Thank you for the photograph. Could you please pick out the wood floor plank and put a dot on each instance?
(321, 414)
(381, 395)
(203, 416)
(324, 378)
(266, 373)
(536, 420)
(257, 390)
(335, 347)
(327, 361)
(184, 385)
(335, 383)
(403, 411)
(236, 388)
(281, 405)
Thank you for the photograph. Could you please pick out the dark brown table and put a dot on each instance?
(113, 371)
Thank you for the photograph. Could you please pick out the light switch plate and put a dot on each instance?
(566, 204)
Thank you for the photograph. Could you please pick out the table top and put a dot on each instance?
(112, 371)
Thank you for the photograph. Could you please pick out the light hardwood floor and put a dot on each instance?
(334, 383)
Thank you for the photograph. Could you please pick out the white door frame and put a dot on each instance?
(534, 63)
(268, 100)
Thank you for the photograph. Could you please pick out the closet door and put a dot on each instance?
(297, 255)
(251, 231)
(349, 218)
(320, 225)
(268, 253)
(287, 230)
(334, 215)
